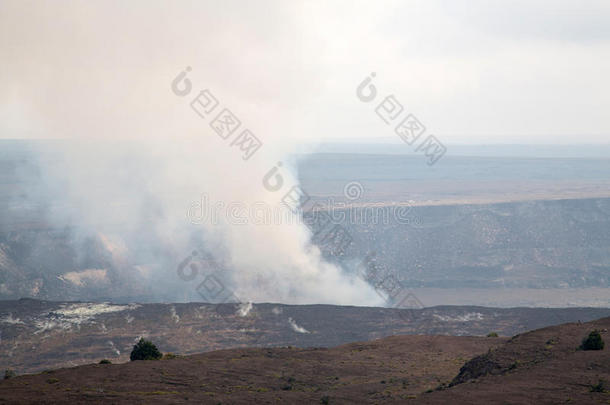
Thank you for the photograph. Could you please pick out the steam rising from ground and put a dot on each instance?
(137, 156)
(134, 199)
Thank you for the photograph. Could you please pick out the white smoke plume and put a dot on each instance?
(136, 200)
(244, 309)
(295, 327)
(134, 155)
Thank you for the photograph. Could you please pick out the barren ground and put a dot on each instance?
(542, 366)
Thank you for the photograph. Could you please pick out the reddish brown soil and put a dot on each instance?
(538, 367)
(385, 370)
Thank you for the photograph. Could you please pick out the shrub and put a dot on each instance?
(145, 350)
(105, 361)
(492, 334)
(599, 387)
(8, 373)
(593, 342)
(169, 356)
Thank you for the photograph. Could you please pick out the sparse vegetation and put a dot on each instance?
(288, 385)
(328, 375)
(492, 334)
(8, 373)
(601, 386)
(145, 350)
(514, 365)
(551, 342)
(169, 356)
(593, 342)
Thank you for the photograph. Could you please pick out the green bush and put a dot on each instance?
(145, 350)
(105, 361)
(492, 334)
(8, 373)
(593, 342)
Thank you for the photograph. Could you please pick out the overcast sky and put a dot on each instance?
(475, 71)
